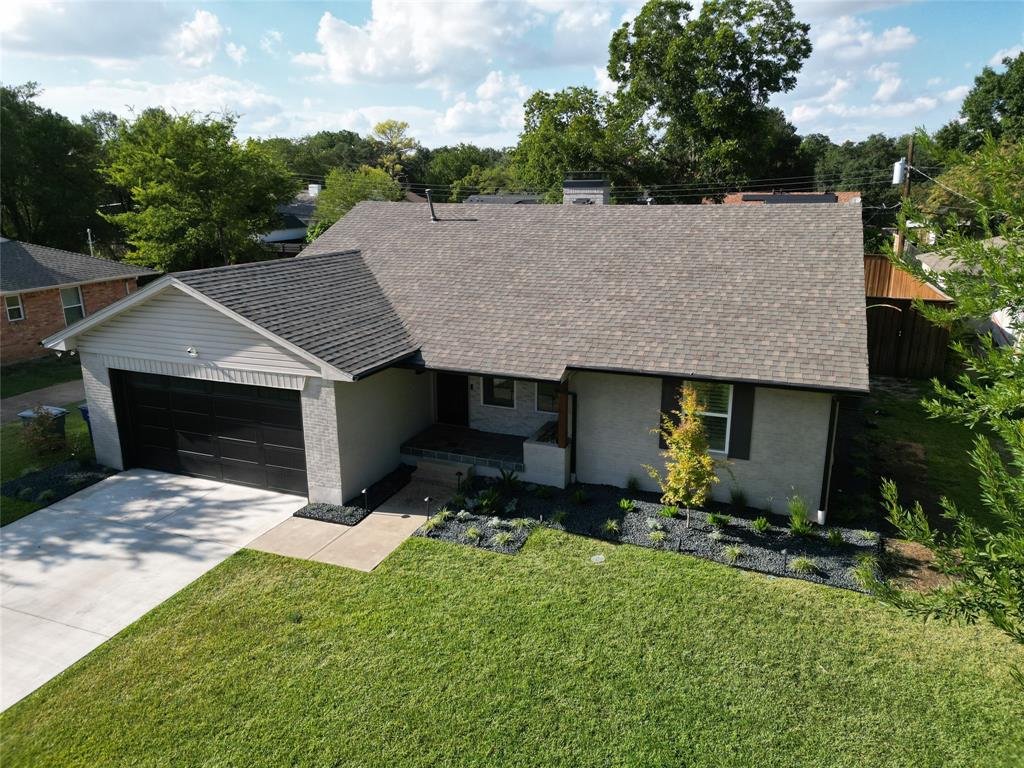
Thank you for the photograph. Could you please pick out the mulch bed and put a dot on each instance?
(353, 511)
(593, 510)
(45, 486)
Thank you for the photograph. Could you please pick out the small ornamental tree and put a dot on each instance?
(689, 469)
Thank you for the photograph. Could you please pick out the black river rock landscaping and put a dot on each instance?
(355, 510)
(499, 515)
(45, 486)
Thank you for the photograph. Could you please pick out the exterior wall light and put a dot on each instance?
(192, 352)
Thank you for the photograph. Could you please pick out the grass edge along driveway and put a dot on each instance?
(447, 655)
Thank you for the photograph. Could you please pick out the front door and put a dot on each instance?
(453, 399)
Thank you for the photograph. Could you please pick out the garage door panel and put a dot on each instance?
(236, 433)
(288, 438)
(290, 458)
(241, 451)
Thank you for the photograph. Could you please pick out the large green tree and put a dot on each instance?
(993, 107)
(706, 76)
(199, 197)
(985, 561)
(395, 146)
(447, 165)
(346, 188)
(314, 156)
(578, 130)
(50, 186)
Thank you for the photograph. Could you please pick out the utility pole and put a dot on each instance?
(88, 234)
(901, 236)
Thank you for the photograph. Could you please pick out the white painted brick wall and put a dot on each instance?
(320, 431)
(523, 420)
(788, 439)
(105, 438)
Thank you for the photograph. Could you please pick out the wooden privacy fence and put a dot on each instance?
(901, 341)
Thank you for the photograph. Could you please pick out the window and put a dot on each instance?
(547, 396)
(499, 391)
(15, 309)
(717, 401)
(71, 300)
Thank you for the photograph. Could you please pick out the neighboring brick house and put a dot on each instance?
(47, 289)
(787, 198)
(540, 339)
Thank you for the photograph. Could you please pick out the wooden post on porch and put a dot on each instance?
(563, 414)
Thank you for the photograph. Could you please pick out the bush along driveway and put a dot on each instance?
(498, 515)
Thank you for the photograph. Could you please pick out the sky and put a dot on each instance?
(460, 71)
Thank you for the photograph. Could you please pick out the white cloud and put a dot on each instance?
(102, 33)
(497, 109)
(237, 53)
(197, 41)
(270, 42)
(887, 77)
(934, 81)
(998, 56)
(956, 94)
(605, 84)
(852, 39)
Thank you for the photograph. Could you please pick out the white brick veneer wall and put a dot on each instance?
(320, 429)
(105, 439)
(523, 420)
(788, 439)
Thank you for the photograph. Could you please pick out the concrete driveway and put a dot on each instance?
(80, 571)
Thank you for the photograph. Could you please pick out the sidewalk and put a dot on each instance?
(57, 394)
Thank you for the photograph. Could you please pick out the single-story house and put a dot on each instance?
(47, 289)
(293, 220)
(540, 339)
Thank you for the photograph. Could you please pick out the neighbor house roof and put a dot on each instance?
(942, 261)
(768, 294)
(504, 199)
(329, 305)
(30, 267)
(775, 197)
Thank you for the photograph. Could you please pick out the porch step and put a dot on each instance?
(442, 473)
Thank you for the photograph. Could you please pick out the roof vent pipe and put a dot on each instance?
(430, 202)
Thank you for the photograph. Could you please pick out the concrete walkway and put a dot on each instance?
(78, 572)
(361, 547)
(57, 394)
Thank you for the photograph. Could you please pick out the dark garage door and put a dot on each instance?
(230, 432)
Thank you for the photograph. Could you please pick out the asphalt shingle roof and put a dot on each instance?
(30, 267)
(771, 294)
(329, 305)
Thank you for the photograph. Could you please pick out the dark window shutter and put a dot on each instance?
(669, 402)
(742, 421)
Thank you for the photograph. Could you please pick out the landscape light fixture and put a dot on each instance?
(366, 501)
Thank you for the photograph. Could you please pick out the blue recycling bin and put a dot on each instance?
(84, 410)
(58, 415)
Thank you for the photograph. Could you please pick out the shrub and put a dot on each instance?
(497, 522)
(579, 496)
(627, 505)
(26, 494)
(760, 524)
(865, 572)
(473, 534)
(689, 469)
(718, 520)
(803, 565)
(799, 520)
(459, 500)
(737, 497)
(502, 539)
(46, 496)
(444, 514)
(835, 537)
(632, 484)
(488, 499)
(28, 471)
(463, 515)
(669, 510)
(654, 524)
(510, 508)
(542, 491)
(38, 434)
(521, 524)
(558, 516)
(716, 535)
(508, 480)
(657, 536)
(611, 527)
(868, 535)
(732, 553)
(433, 523)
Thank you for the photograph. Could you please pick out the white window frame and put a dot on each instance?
(515, 393)
(716, 414)
(536, 397)
(65, 307)
(20, 307)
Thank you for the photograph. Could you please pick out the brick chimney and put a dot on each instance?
(585, 192)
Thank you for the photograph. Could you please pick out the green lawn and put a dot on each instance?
(18, 378)
(449, 656)
(16, 458)
(927, 457)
